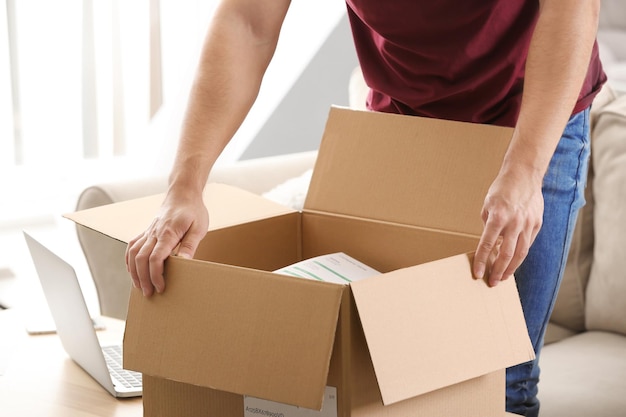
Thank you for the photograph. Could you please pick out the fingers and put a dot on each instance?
(145, 256)
(155, 260)
(502, 250)
(486, 247)
(190, 242)
(182, 228)
(130, 255)
(508, 257)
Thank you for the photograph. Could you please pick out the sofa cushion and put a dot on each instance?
(583, 376)
(606, 291)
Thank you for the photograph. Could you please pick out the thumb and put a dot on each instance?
(188, 245)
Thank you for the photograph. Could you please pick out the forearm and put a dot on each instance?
(234, 58)
(557, 63)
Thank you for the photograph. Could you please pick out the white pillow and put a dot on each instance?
(292, 192)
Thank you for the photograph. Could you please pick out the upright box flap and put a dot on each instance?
(237, 330)
(404, 169)
(227, 206)
(433, 325)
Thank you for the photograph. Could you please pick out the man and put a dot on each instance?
(532, 65)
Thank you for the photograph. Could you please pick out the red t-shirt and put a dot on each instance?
(458, 60)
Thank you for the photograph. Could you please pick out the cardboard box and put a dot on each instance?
(401, 194)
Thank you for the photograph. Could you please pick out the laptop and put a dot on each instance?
(75, 326)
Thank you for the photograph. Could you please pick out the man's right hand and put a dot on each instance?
(178, 229)
(238, 47)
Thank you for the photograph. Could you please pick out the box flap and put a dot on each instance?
(237, 330)
(227, 206)
(433, 325)
(434, 172)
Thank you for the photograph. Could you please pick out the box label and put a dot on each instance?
(256, 407)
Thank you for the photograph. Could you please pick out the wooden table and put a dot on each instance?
(39, 379)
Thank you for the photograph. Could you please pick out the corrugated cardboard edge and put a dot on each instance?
(227, 206)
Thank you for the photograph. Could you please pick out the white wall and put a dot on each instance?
(306, 29)
(297, 124)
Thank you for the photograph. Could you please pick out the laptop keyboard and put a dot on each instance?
(113, 356)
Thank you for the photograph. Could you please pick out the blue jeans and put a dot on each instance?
(539, 277)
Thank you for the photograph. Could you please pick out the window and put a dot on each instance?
(81, 84)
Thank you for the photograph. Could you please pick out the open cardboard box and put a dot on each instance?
(401, 194)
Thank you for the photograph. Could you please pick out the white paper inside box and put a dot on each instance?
(401, 194)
